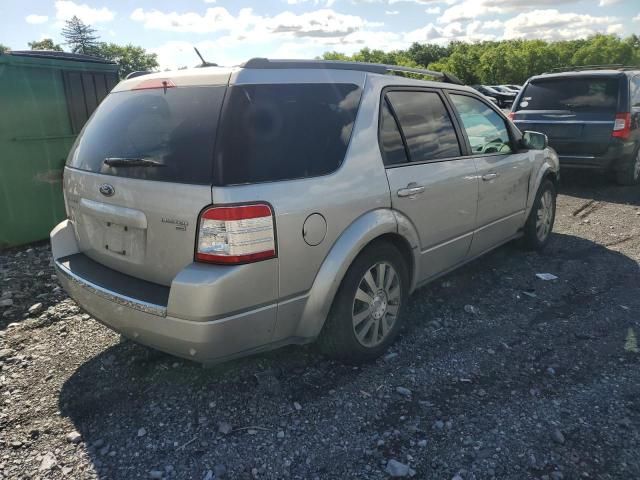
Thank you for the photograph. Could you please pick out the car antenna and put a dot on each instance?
(204, 62)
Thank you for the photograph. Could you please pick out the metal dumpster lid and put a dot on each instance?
(77, 57)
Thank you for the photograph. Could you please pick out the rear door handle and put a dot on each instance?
(490, 176)
(411, 190)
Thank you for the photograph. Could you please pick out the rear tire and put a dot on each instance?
(537, 230)
(368, 308)
(629, 174)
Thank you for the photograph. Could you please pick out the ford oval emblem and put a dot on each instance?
(107, 190)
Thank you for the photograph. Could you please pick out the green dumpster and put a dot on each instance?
(45, 99)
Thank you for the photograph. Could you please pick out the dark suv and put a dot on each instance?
(591, 118)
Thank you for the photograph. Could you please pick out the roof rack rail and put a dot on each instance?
(580, 68)
(266, 63)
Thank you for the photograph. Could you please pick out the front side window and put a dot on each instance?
(272, 132)
(426, 125)
(486, 130)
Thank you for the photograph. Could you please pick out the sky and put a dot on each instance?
(229, 32)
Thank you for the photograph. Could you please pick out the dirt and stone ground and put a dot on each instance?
(498, 374)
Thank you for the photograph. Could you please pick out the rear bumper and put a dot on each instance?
(149, 324)
(618, 153)
(190, 319)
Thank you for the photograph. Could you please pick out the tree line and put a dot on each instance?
(488, 62)
(505, 61)
(82, 38)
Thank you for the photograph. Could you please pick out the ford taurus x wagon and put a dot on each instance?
(592, 118)
(217, 212)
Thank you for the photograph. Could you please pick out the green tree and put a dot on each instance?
(128, 57)
(80, 37)
(425, 53)
(335, 56)
(604, 49)
(506, 61)
(4, 49)
(45, 44)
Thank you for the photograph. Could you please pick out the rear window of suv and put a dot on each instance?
(173, 128)
(275, 132)
(571, 93)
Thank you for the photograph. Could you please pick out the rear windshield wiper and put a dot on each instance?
(131, 162)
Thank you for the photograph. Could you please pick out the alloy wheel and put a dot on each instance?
(376, 304)
(544, 216)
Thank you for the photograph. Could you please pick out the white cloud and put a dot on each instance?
(472, 9)
(391, 12)
(433, 10)
(65, 9)
(36, 19)
(215, 19)
(209, 1)
(636, 18)
(616, 29)
(453, 31)
(391, 2)
(492, 25)
(324, 23)
(326, 3)
(419, 2)
(606, 3)
(554, 25)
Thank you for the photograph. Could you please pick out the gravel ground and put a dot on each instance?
(498, 374)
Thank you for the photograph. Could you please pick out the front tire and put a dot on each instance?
(366, 314)
(537, 230)
(629, 174)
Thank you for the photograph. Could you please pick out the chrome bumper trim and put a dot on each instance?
(120, 299)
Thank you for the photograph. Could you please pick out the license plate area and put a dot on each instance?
(117, 238)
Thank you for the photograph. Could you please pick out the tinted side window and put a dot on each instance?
(635, 91)
(284, 131)
(393, 151)
(426, 125)
(486, 130)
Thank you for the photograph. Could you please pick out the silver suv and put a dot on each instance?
(218, 212)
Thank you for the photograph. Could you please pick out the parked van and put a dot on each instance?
(217, 212)
(591, 116)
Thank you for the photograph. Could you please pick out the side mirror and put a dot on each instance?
(534, 140)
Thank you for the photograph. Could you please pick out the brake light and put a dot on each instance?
(234, 235)
(622, 126)
(154, 83)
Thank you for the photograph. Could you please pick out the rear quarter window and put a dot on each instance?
(273, 132)
(573, 94)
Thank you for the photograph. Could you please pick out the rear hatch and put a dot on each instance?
(577, 113)
(141, 171)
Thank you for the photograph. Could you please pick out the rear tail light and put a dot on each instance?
(622, 126)
(237, 234)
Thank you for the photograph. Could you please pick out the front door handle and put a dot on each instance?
(411, 190)
(490, 176)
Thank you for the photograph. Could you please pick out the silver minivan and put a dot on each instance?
(217, 212)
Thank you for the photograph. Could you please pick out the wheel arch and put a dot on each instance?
(548, 170)
(374, 226)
